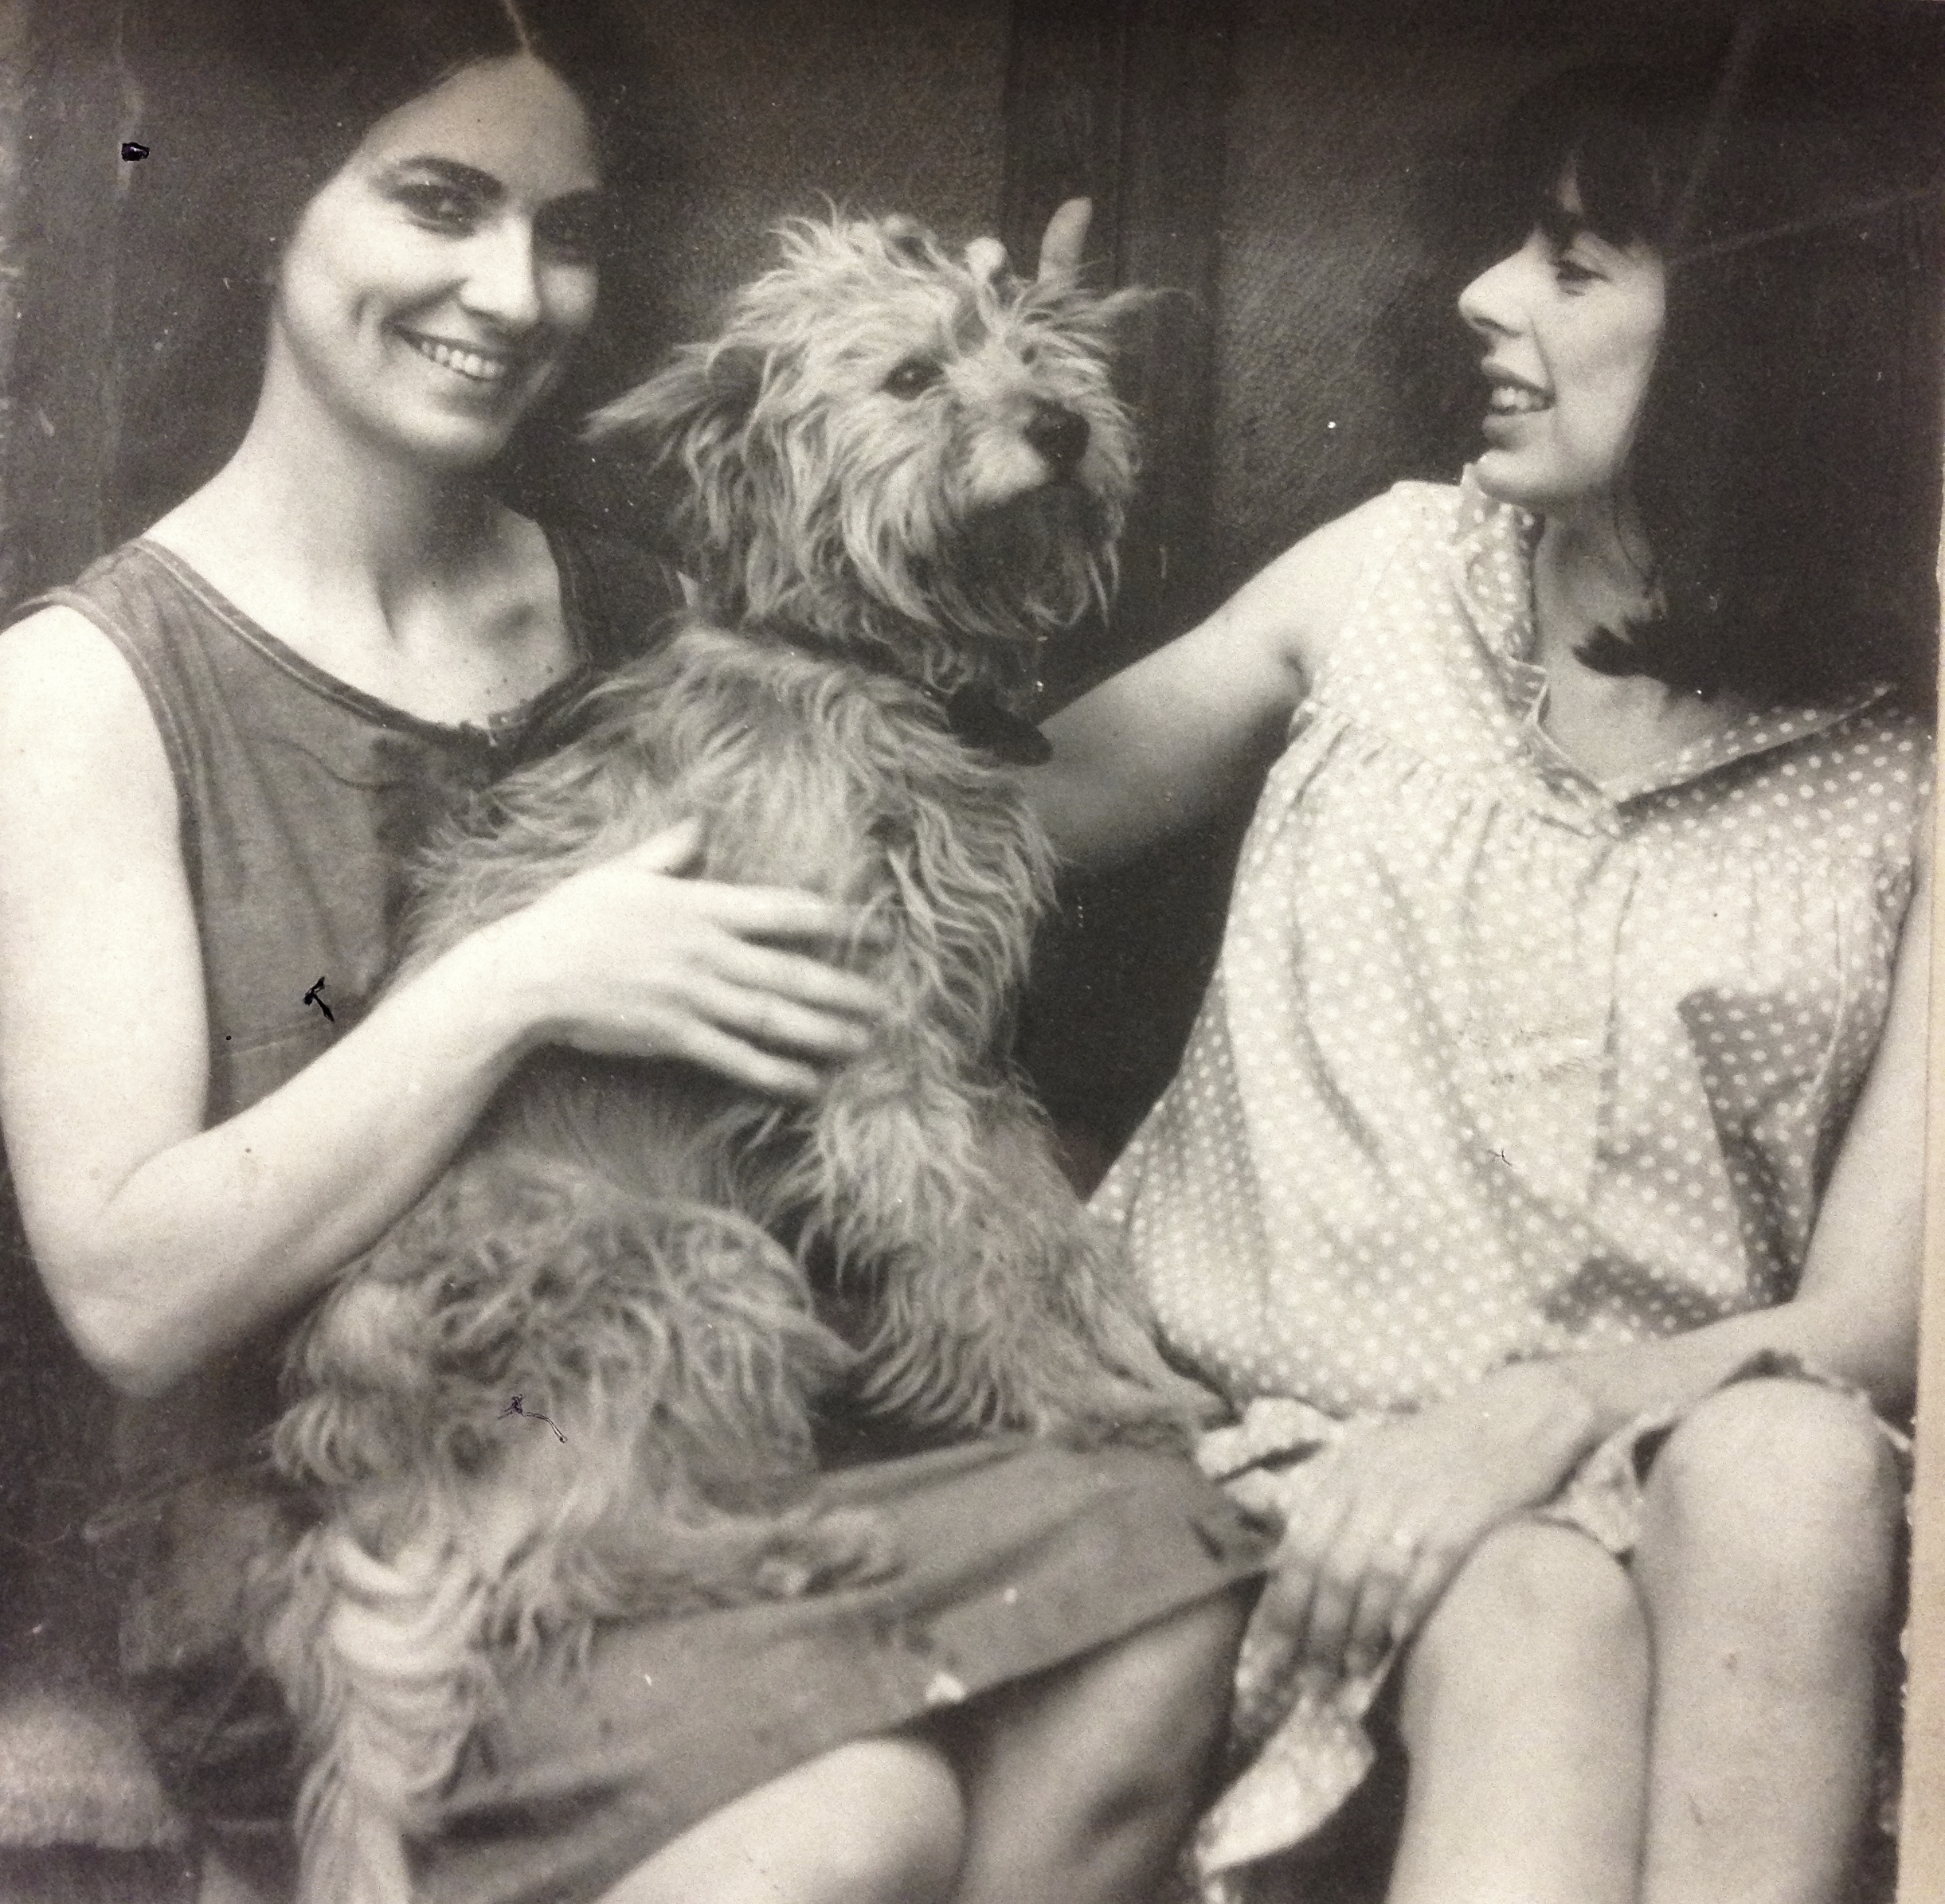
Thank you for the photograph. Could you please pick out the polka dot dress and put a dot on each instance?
(1499, 1060)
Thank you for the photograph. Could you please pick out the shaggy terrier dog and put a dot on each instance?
(903, 469)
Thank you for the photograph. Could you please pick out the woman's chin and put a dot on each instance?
(1502, 476)
(448, 445)
(1497, 472)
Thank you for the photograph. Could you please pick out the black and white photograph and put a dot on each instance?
(969, 952)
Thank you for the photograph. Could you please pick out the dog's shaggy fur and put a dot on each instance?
(901, 469)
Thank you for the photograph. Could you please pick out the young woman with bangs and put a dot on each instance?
(1541, 1184)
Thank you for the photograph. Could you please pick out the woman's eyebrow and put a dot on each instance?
(449, 171)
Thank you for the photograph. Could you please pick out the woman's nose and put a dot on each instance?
(1489, 303)
(502, 283)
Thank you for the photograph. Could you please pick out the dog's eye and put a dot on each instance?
(915, 374)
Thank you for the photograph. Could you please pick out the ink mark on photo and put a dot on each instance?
(514, 1408)
(315, 996)
(131, 150)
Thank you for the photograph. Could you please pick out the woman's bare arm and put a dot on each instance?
(1855, 1314)
(162, 1243)
(1160, 747)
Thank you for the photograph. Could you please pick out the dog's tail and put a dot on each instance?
(379, 1662)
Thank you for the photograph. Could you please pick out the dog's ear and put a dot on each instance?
(706, 390)
(694, 415)
(986, 259)
(905, 236)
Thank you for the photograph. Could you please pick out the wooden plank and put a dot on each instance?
(1124, 101)
(16, 29)
(61, 436)
(1921, 1847)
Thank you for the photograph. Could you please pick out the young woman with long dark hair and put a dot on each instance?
(216, 747)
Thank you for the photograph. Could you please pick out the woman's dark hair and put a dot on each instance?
(1785, 462)
(248, 108)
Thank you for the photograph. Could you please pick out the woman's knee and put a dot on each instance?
(878, 1821)
(1162, 1696)
(907, 1789)
(1532, 1603)
(1775, 1481)
(1134, 1725)
(1178, 1674)
(1191, 1655)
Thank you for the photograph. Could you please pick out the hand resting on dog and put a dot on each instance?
(719, 990)
(163, 1243)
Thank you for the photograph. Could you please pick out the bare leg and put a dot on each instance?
(223, 1881)
(1082, 1783)
(877, 1822)
(1765, 1564)
(1525, 1713)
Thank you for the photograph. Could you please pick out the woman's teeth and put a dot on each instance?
(469, 363)
(1513, 400)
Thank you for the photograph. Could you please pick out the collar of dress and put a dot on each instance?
(1493, 573)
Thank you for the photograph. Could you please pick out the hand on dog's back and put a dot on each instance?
(630, 958)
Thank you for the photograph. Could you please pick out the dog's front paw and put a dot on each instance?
(846, 1547)
(1112, 1412)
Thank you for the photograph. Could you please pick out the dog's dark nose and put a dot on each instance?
(1060, 436)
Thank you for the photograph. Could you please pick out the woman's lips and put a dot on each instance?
(1513, 396)
(474, 365)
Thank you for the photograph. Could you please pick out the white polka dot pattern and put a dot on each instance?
(1498, 1062)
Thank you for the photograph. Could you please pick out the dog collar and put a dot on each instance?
(976, 717)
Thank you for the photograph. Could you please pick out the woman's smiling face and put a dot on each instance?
(433, 287)
(1571, 321)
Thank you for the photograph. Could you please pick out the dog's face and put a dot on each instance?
(889, 447)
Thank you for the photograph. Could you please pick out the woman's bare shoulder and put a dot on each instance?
(75, 724)
(57, 647)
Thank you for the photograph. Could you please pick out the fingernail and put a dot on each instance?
(1315, 1684)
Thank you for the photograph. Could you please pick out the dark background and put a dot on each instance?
(1290, 164)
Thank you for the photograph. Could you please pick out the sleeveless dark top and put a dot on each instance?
(300, 799)
(300, 795)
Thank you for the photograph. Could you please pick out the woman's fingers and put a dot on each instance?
(1347, 1567)
(1391, 1563)
(755, 982)
(779, 915)
(1340, 1581)
(776, 912)
(676, 846)
(1060, 245)
(1288, 1603)
(794, 975)
(767, 1019)
(1432, 1574)
(711, 1049)
(766, 911)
